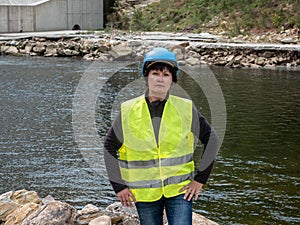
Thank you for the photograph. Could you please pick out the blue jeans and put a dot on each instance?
(178, 210)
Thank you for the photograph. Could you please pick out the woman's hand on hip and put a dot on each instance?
(192, 189)
(126, 197)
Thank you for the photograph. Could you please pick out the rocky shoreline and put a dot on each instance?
(24, 207)
(191, 49)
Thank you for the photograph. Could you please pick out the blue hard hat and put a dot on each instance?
(161, 55)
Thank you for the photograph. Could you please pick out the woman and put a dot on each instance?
(149, 149)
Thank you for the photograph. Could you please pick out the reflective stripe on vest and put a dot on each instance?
(154, 169)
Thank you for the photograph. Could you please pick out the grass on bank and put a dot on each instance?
(233, 17)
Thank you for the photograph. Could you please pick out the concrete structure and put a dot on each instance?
(49, 15)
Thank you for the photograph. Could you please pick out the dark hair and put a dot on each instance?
(162, 66)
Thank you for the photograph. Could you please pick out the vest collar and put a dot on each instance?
(147, 97)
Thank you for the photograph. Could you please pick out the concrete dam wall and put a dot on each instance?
(50, 15)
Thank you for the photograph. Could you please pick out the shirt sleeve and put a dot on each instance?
(208, 137)
(112, 143)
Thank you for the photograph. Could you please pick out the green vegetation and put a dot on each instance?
(230, 16)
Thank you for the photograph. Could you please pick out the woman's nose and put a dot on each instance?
(160, 76)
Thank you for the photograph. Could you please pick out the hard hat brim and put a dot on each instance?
(173, 65)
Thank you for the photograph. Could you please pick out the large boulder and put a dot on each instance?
(15, 205)
(54, 213)
(21, 213)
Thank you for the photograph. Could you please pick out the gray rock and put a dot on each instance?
(12, 50)
(102, 220)
(117, 207)
(103, 48)
(120, 51)
(21, 197)
(47, 200)
(88, 57)
(254, 66)
(22, 51)
(69, 52)
(268, 66)
(289, 41)
(7, 207)
(238, 58)
(192, 54)
(87, 214)
(54, 213)
(17, 205)
(268, 54)
(51, 50)
(203, 37)
(21, 213)
(13, 43)
(39, 48)
(192, 61)
(178, 53)
(127, 215)
(181, 63)
(28, 48)
(201, 220)
(134, 43)
(4, 48)
(260, 61)
(245, 64)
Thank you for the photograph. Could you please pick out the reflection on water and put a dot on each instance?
(256, 177)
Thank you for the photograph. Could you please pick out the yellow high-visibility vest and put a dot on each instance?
(154, 169)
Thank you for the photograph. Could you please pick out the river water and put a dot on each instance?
(255, 179)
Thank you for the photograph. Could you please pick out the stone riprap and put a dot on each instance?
(191, 49)
(24, 207)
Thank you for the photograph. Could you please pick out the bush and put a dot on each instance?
(195, 15)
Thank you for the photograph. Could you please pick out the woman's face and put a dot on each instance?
(159, 82)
